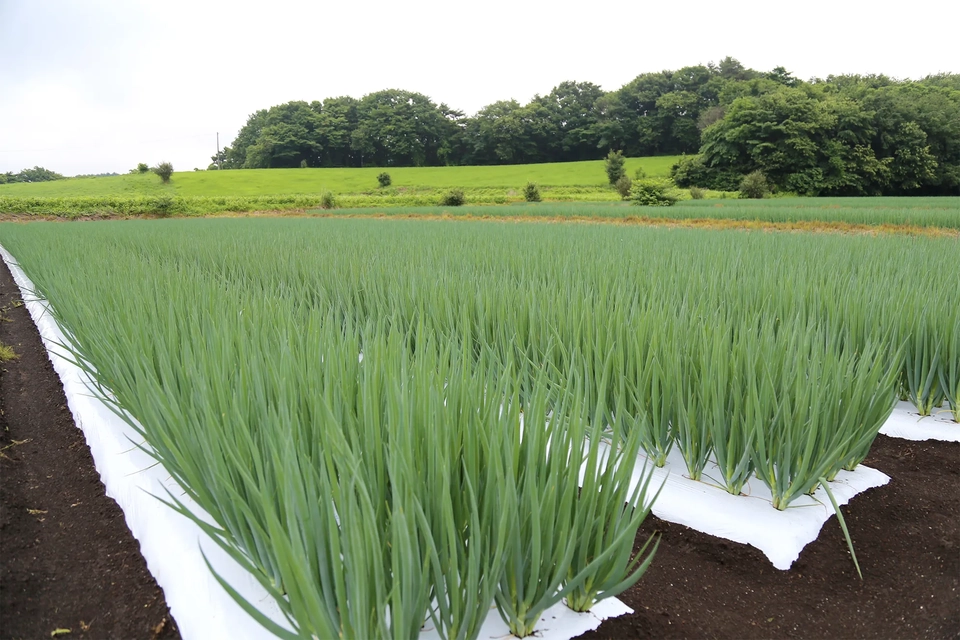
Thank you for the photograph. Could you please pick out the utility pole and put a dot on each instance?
(219, 165)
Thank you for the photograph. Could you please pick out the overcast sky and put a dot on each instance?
(93, 86)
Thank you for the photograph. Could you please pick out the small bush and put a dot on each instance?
(163, 205)
(7, 353)
(142, 167)
(754, 186)
(303, 164)
(453, 198)
(327, 200)
(164, 170)
(697, 193)
(623, 186)
(614, 166)
(384, 179)
(639, 174)
(652, 193)
(531, 192)
(689, 171)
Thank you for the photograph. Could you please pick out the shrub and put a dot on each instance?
(614, 166)
(689, 171)
(531, 192)
(652, 193)
(163, 205)
(623, 186)
(384, 179)
(697, 193)
(327, 200)
(142, 167)
(303, 164)
(754, 186)
(453, 198)
(639, 174)
(164, 170)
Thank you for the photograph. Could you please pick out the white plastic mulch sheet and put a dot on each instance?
(171, 543)
(557, 622)
(750, 518)
(907, 423)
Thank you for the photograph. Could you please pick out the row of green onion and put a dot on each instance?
(390, 422)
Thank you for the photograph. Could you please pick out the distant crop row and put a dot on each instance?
(565, 202)
(906, 212)
(166, 205)
(364, 408)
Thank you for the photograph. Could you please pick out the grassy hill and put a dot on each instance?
(275, 182)
(126, 185)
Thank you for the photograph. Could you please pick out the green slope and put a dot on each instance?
(260, 182)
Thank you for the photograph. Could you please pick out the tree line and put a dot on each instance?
(37, 174)
(847, 136)
(843, 135)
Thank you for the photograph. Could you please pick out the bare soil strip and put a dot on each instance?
(907, 538)
(812, 226)
(67, 559)
(808, 226)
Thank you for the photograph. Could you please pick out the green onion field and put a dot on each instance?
(938, 212)
(366, 407)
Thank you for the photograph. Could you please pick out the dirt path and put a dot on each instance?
(67, 559)
(803, 226)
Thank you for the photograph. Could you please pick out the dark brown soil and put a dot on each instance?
(67, 559)
(74, 563)
(906, 536)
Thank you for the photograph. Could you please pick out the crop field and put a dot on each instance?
(925, 212)
(943, 213)
(387, 419)
(162, 205)
(897, 215)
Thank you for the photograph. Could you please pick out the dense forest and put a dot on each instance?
(843, 135)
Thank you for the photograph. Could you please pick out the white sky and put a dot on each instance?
(92, 86)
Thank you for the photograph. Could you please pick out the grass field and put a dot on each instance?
(271, 182)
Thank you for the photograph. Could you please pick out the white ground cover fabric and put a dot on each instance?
(557, 622)
(907, 423)
(171, 544)
(750, 518)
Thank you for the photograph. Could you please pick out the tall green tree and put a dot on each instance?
(501, 133)
(454, 145)
(918, 130)
(399, 128)
(801, 143)
(337, 122)
(283, 145)
(281, 136)
(569, 118)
